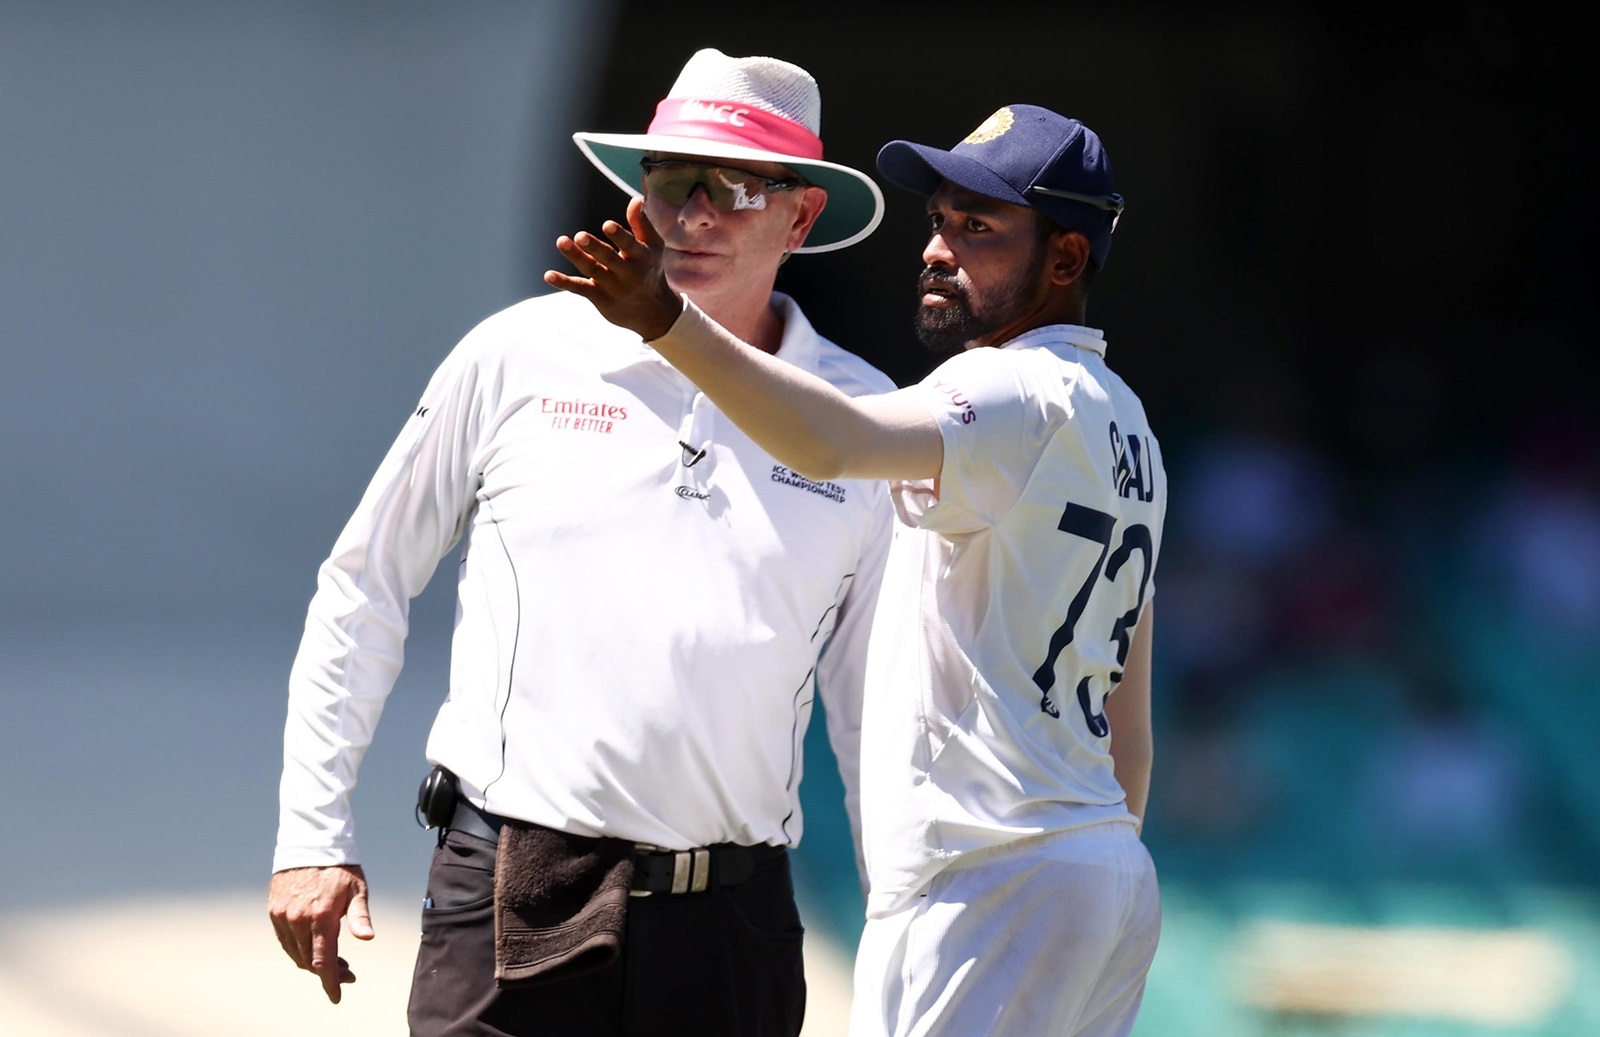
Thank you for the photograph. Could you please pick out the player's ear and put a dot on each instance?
(1067, 256)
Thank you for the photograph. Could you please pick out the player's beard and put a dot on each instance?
(948, 328)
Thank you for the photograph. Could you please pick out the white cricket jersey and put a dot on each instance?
(639, 622)
(1013, 585)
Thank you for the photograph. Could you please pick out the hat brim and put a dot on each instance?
(855, 204)
(920, 169)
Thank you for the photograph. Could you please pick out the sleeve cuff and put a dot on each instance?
(284, 858)
(691, 321)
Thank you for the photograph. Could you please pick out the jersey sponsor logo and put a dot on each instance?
(690, 493)
(1128, 467)
(958, 400)
(789, 477)
(583, 408)
(582, 415)
(701, 111)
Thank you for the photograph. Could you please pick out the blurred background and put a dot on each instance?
(1352, 286)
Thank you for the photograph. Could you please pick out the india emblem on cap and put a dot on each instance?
(994, 126)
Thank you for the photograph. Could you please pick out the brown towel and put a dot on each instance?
(560, 904)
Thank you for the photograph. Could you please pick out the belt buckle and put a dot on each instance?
(691, 869)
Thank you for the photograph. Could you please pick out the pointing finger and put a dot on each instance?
(600, 250)
(583, 286)
(578, 255)
(625, 243)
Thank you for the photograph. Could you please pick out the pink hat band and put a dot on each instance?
(737, 123)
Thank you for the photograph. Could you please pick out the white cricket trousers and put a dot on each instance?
(1051, 935)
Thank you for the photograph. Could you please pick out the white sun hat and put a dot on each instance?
(752, 109)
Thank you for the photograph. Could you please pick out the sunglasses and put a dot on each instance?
(1111, 203)
(728, 187)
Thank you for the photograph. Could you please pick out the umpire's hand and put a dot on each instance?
(306, 905)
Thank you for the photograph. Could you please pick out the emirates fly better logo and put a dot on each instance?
(582, 416)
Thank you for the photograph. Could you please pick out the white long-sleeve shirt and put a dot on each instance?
(639, 624)
(1013, 587)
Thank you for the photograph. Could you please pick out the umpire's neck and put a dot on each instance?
(750, 313)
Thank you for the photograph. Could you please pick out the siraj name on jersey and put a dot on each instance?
(1130, 474)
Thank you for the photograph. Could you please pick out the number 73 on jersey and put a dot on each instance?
(1099, 527)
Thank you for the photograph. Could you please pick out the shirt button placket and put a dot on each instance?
(694, 443)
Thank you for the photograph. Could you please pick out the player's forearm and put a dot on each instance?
(1128, 712)
(1133, 755)
(798, 418)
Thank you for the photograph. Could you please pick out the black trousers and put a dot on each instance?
(725, 963)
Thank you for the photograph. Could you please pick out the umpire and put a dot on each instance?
(646, 604)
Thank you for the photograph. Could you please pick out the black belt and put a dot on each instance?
(654, 870)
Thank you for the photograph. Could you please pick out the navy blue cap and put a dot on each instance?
(1028, 156)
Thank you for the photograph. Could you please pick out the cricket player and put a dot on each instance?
(648, 602)
(1006, 738)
